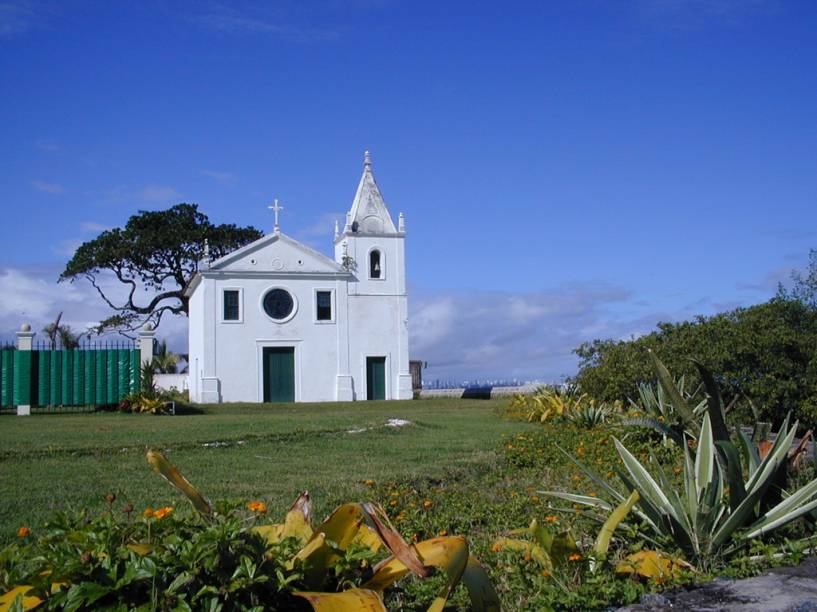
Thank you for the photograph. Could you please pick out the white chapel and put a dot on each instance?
(276, 321)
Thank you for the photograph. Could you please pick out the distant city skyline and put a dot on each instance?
(568, 171)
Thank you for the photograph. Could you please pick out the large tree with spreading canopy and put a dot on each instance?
(154, 258)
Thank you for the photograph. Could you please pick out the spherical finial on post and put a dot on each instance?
(25, 327)
(367, 161)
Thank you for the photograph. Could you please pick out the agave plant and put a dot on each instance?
(590, 415)
(716, 511)
(668, 406)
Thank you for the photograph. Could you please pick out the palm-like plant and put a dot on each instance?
(165, 361)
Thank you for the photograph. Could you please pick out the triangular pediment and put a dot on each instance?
(369, 211)
(277, 252)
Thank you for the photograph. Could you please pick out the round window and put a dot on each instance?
(278, 304)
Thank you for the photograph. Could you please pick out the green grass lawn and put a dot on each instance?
(267, 452)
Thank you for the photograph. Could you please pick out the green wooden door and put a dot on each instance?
(375, 378)
(279, 374)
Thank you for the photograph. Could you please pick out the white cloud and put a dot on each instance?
(46, 187)
(149, 194)
(158, 194)
(324, 226)
(495, 334)
(34, 296)
(92, 227)
(223, 18)
(221, 177)
(66, 248)
(27, 297)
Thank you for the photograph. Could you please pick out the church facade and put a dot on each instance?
(276, 321)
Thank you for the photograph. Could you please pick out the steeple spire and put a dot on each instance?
(369, 214)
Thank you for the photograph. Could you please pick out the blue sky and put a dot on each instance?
(567, 170)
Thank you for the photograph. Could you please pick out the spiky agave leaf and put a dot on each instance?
(714, 404)
(654, 423)
(678, 402)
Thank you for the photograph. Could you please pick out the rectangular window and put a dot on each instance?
(231, 309)
(324, 305)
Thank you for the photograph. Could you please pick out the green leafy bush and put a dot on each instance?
(227, 557)
(764, 352)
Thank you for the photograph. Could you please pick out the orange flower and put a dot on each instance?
(545, 573)
(552, 518)
(162, 512)
(496, 547)
(23, 532)
(369, 482)
(443, 532)
(258, 506)
(393, 502)
(575, 557)
(148, 512)
(427, 504)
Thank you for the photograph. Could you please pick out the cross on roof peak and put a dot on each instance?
(276, 207)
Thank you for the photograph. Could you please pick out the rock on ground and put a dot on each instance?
(783, 589)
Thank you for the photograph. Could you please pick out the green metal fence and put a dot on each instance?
(76, 377)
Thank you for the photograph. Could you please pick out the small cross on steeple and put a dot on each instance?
(276, 208)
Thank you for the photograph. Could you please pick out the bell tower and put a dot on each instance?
(372, 248)
(370, 245)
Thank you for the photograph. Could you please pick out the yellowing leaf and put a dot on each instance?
(393, 540)
(29, 602)
(295, 525)
(480, 588)
(534, 550)
(353, 600)
(367, 537)
(171, 473)
(602, 544)
(141, 549)
(448, 553)
(652, 564)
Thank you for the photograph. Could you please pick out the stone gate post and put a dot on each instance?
(22, 370)
(146, 340)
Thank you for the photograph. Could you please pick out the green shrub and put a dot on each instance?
(227, 557)
(764, 353)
